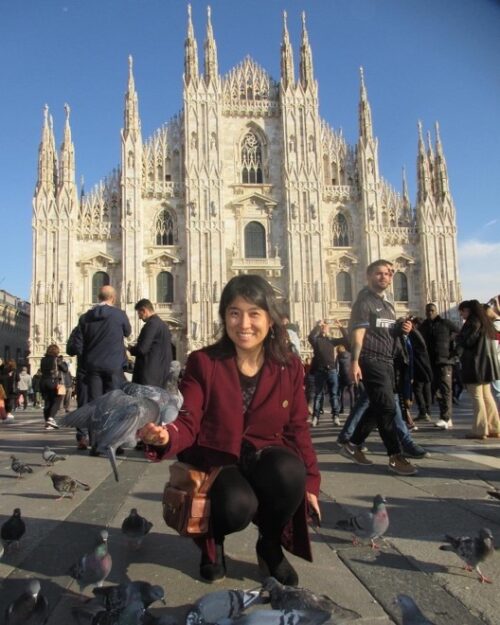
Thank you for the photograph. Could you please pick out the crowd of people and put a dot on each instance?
(250, 402)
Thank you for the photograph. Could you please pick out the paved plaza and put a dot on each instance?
(449, 495)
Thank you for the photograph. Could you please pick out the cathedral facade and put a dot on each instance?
(246, 179)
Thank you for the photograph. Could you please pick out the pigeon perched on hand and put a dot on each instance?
(412, 614)
(135, 527)
(222, 604)
(65, 485)
(19, 467)
(93, 568)
(29, 608)
(117, 597)
(51, 457)
(284, 597)
(370, 524)
(472, 551)
(114, 418)
(13, 530)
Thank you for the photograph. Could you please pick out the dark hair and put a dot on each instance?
(258, 291)
(478, 315)
(144, 303)
(378, 263)
(52, 350)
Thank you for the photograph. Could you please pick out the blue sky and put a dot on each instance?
(423, 59)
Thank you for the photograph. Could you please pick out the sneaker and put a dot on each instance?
(400, 465)
(336, 420)
(444, 425)
(415, 451)
(83, 444)
(9, 417)
(50, 423)
(314, 421)
(355, 454)
(413, 427)
(423, 417)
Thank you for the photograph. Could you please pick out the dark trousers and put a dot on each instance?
(25, 398)
(441, 386)
(423, 396)
(100, 382)
(270, 489)
(330, 377)
(51, 404)
(378, 380)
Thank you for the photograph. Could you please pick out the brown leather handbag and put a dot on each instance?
(186, 505)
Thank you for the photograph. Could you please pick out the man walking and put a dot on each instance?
(103, 329)
(325, 369)
(373, 331)
(438, 334)
(153, 350)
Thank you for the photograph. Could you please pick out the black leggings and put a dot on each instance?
(269, 491)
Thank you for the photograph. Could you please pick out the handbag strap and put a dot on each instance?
(211, 477)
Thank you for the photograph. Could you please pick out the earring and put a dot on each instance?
(271, 332)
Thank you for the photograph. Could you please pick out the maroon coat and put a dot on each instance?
(211, 424)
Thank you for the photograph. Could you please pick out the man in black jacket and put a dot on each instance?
(438, 334)
(153, 350)
(103, 329)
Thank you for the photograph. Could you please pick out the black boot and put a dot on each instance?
(213, 571)
(273, 563)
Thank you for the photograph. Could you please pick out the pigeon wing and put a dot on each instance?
(81, 417)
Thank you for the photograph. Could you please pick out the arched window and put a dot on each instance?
(164, 228)
(165, 287)
(340, 231)
(251, 159)
(400, 286)
(99, 279)
(255, 240)
(344, 287)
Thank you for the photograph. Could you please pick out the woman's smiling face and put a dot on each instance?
(247, 325)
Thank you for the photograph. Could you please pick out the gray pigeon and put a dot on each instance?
(277, 617)
(370, 524)
(65, 485)
(51, 457)
(29, 608)
(19, 467)
(472, 551)
(13, 530)
(131, 614)
(169, 400)
(291, 598)
(117, 597)
(93, 567)
(214, 606)
(412, 614)
(113, 420)
(135, 527)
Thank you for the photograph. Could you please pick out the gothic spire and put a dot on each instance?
(47, 156)
(442, 182)
(306, 63)
(287, 68)
(406, 195)
(67, 157)
(423, 170)
(365, 113)
(210, 48)
(190, 53)
(132, 122)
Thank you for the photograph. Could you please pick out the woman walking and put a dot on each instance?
(53, 369)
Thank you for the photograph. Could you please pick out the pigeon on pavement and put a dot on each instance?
(12, 530)
(93, 568)
(135, 527)
(51, 457)
(29, 608)
(370, 524)
(412, 614)
(472, 551)
(65, 485)
(222, 604)
(291, 598)
(278, 617)
(20, 467)
(117, 597)
(114, 419)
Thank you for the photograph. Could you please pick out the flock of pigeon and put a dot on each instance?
(112, 421)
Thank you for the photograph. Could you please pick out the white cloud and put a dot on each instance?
(479, 263)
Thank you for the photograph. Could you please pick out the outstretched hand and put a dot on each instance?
(152, 434)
